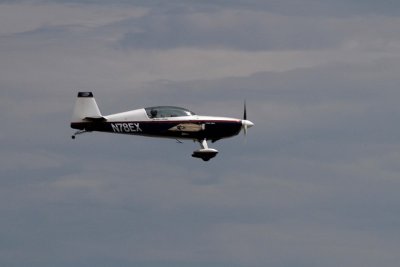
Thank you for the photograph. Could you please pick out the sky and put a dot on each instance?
(315, 183)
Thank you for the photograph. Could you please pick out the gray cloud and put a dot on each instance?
(236, 30)
(253, 30)
(336, 8)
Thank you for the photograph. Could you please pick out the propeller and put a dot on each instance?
(246, 123)
(244, 111)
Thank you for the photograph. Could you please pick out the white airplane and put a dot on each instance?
(162, 121)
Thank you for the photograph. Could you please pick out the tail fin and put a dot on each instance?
(86, 108)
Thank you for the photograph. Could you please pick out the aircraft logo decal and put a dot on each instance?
(187, 127)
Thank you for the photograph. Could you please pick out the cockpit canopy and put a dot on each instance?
(167, 111)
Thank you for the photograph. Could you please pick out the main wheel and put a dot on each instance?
(205, 154)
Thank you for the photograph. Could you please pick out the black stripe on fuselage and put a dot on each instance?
(213, 130)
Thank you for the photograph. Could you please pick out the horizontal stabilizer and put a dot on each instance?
(95, 119)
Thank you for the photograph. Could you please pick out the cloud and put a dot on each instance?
(26, 17)
(251, 30)
(340, 8)
(234, 29)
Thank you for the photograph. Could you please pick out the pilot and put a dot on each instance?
(153, 113)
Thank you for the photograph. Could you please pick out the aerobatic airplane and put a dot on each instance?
(161, 121)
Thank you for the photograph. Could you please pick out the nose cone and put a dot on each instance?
(247, 123)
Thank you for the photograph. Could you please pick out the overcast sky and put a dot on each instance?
(316, 183)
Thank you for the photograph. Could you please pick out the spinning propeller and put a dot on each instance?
(246, 123)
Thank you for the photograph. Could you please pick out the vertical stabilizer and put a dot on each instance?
(85, 107)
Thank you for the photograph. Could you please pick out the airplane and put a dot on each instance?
(159, 121)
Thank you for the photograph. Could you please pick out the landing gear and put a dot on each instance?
(78, 132)
(204, 153)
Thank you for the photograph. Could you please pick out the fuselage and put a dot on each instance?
(168, 122)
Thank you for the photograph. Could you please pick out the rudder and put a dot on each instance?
(85, 107)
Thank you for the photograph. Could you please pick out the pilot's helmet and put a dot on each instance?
(153, 113)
